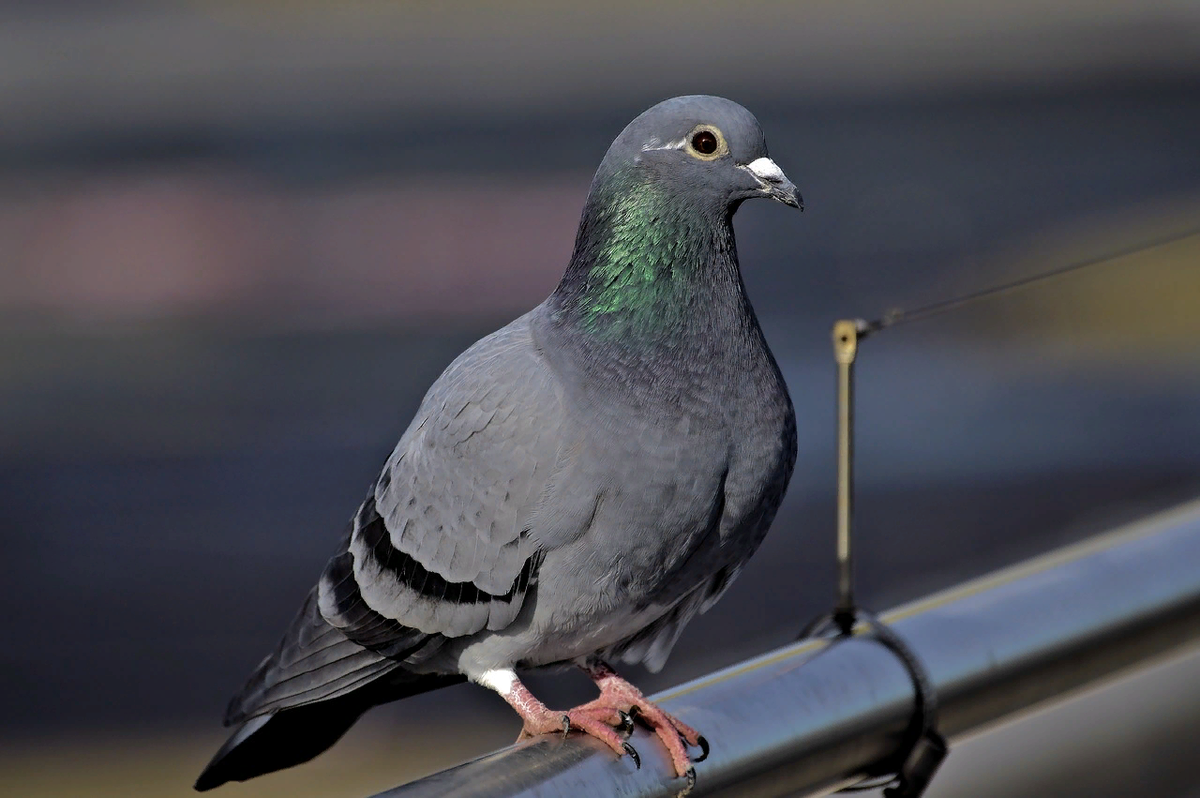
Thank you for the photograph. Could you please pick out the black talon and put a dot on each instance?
(633, 754)
(626, 721)
(700, 741)
(691, 780)
(566, 725)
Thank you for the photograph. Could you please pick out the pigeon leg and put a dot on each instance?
(620, 695)
(596, 722)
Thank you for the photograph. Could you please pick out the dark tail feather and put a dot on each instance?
(272, 742)
(304, 696)
(313, 662)
(288, 737)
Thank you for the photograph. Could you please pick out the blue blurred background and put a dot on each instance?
(238, 242)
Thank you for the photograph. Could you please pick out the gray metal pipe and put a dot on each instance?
(810, 717)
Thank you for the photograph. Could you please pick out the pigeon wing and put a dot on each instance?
(442, 546)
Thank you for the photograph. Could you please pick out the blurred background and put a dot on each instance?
(239, 240)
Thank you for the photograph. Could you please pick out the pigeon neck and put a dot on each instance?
(647, 266)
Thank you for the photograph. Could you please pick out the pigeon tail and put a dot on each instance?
(281, 739)
(303, 697)
(313, 662)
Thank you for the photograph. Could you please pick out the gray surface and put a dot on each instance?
(1140, 740)
(806, 718)
(72, 73)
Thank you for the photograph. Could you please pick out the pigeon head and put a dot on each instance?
(704, 150)
(654, 258)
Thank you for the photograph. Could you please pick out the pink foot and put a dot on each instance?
(619, 703)
(592, 722)
(595, 721)
(619, 696)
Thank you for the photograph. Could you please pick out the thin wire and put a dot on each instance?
(898, 316)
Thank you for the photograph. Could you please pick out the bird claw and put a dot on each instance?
(566, 725)
(625, 705)
(690, 776)
(633, 754)
(703, 744)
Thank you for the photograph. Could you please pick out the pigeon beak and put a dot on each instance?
(774, 182)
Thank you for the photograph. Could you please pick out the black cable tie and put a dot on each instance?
(925, 748)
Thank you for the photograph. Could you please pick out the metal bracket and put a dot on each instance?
(846, 335)
(926, 748)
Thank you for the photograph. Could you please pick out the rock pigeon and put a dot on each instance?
(575, 487)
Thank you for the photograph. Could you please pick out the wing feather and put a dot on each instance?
(442, 545)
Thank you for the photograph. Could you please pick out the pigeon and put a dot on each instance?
(575, 487)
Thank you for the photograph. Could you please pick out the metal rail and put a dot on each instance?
(813, 716)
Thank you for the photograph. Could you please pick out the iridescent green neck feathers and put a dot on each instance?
(644, 261)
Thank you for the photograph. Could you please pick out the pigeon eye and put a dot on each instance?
(704, 142)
